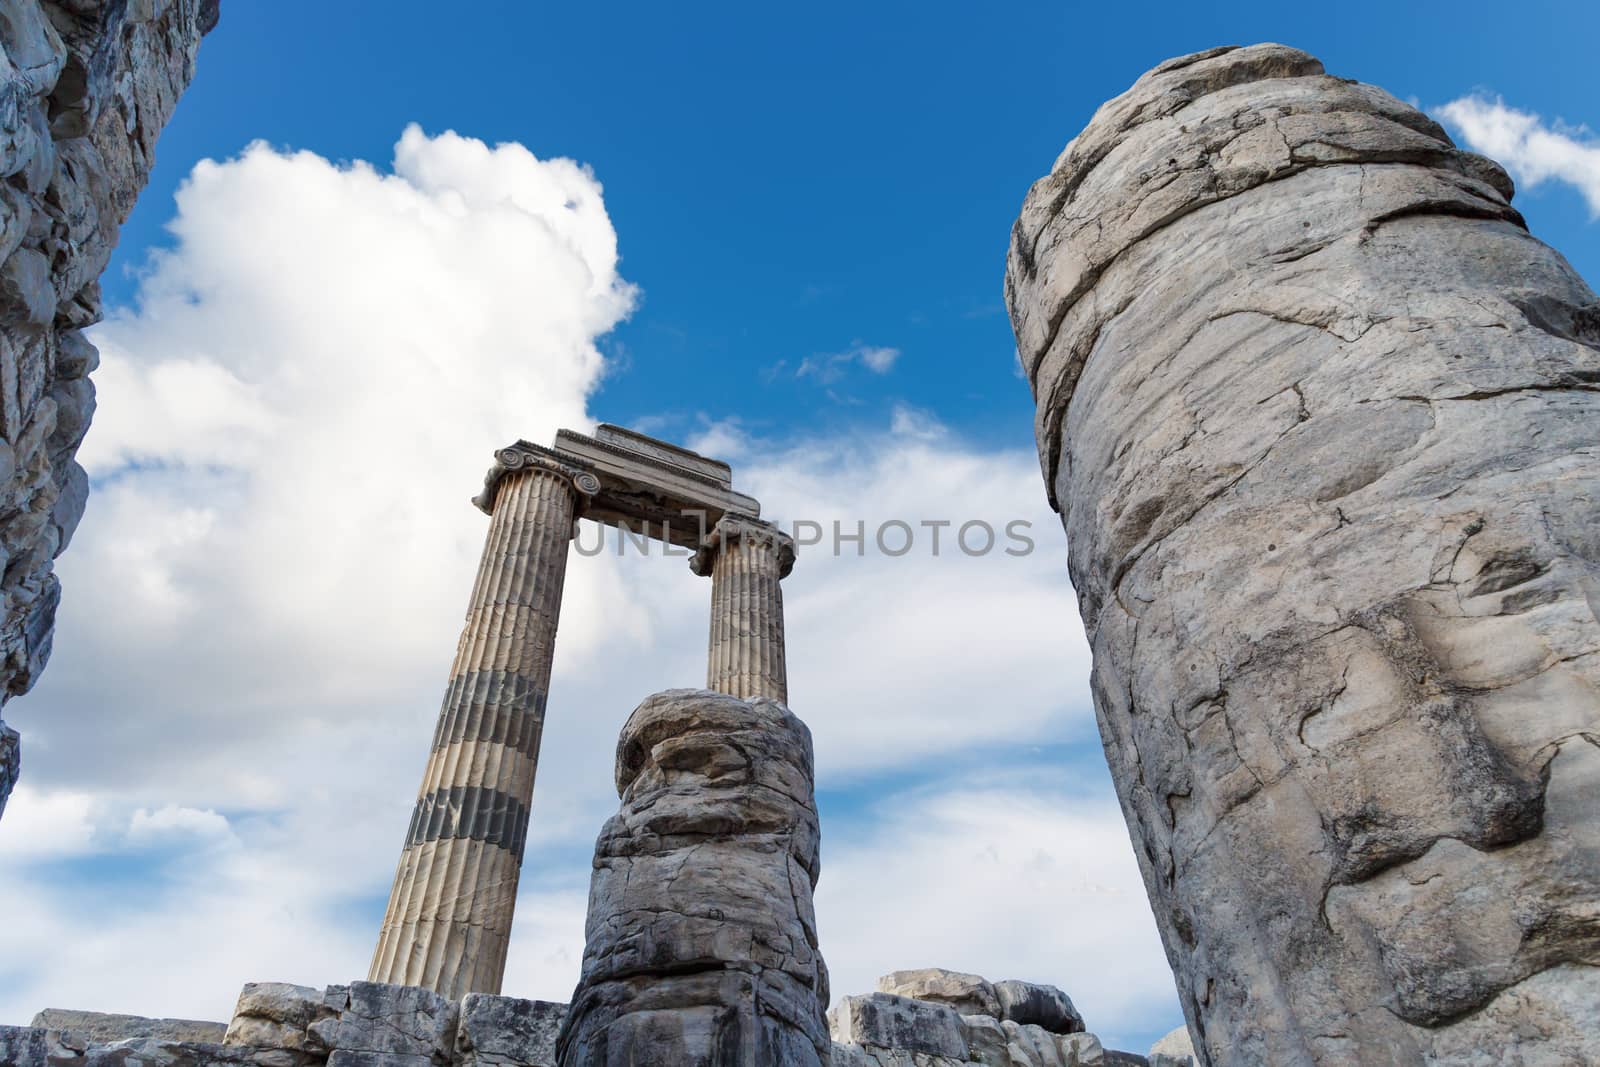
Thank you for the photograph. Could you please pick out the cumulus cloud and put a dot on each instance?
(1011, 875)
(1533, 150)
(263, 599)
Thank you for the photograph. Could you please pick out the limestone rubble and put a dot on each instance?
(1318, 414)
(85, 89)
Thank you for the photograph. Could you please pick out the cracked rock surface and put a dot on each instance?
(1319, 416)
(85, 89)
(701, 939)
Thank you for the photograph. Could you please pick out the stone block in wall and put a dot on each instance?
(968, 994)
(281, 1015)
(103, 1028)
(380, 1025)
(894, 1022)
(1039, 1005)
(507, 1032)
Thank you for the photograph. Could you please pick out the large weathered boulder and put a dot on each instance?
(85, 88)
(281, 1015)
(1318, 414)
(969, 994)
(1176, 1049)
(701, 939)
(1038, 1005)
(507, 1032)
(890, 1021)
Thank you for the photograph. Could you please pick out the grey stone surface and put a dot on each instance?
(102, 1028)
(1318, 414)
(701, 939)
(85, 88)
(379, 1019)
(1041, 1005)
(889, 1021)
(887, 1029)
(281, 1015)
(10, 762)
(1176, 1049)
(507, 1032)
(968, 994)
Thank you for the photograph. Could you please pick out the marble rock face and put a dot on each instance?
(1319, 416)
(85, 89)
(701, 940)
(938, 1018)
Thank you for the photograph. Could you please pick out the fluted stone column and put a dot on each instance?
(449, 914)
(747, 560)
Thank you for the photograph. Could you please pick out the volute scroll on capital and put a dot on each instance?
(731, 528)
(525, 456)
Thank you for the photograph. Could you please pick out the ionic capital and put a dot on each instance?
(525, 456)
(731, 529)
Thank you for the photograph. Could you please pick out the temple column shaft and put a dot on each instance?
(747, 561)
(449, 914)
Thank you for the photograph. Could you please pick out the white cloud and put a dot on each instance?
(1532, 150)
(829, 368)
(46, 825)
(174, 822)
(1008, 877)
(263, 599)
(907, 421)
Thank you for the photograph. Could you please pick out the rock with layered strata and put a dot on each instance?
(701, 939)
(85, 88)
(1318, 414)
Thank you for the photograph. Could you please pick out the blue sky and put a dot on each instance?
(811, 209)
(791, 181)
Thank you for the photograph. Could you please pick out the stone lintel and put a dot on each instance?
(654, 487)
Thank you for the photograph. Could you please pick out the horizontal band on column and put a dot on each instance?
(470, 811)
(495, 706)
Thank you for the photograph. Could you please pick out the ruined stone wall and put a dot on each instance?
(85, 89)
(1319, 417)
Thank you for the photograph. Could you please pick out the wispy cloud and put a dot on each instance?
(1533, 150)
(828, 368)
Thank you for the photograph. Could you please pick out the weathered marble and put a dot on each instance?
(701, 939)
(968, 994)
(449, 916)
(1176, 1049)
(938, 1018)
(1318, 414)
(85, 89)
(103, 1028)
(507, 1032)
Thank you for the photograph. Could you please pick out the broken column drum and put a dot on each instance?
(701, 941)
(449, 914)
(1319, 417)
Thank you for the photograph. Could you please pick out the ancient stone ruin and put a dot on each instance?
(1318, 414)
(449, 915)
(85, 89)
(925, 1018)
